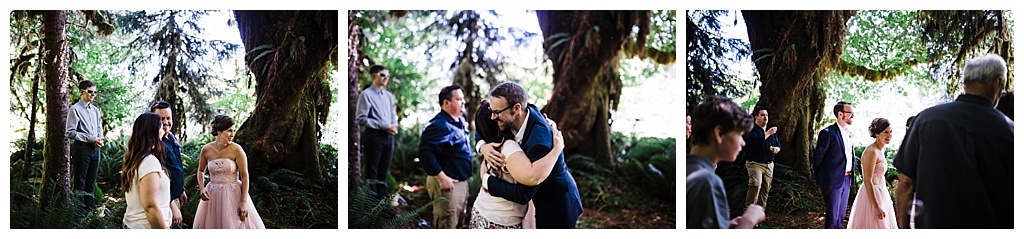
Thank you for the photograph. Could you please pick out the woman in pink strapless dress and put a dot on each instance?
(873, 207)
(225, 201)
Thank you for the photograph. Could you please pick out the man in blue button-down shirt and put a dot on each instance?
(86, 135)
(375, 111)
(172, 162)
(446, 157)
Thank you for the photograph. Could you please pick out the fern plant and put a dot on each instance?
(365, 211)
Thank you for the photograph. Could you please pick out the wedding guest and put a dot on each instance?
(446, 157)
(86, 134)
(958, 157)
(375, 112)
(762, 146)
(718, 127)
(172, 162)
(144, 180)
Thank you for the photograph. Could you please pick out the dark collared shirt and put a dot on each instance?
(444, 146)
(706, 203)
(756, 148)
(960, 155)
(175, 168)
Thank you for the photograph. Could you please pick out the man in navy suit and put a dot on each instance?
(833, 164)
(556, 199)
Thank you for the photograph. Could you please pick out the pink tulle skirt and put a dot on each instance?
(864, 216)
(221, 211)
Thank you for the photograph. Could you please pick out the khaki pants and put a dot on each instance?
(448, 214)
(759, 181)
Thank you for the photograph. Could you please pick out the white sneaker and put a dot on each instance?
(102, 211)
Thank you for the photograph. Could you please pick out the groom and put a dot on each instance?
(556, 198)
(833, 164)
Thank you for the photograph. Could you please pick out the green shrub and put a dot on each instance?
(27, 213)
(365, 211)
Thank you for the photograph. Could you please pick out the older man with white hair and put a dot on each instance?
(958, 157)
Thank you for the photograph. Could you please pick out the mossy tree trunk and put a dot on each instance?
(56, 187)
(584, 48)
(793, 52)
(289, 53)
(354, 170)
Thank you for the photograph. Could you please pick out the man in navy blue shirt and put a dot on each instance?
(172, 162)
(762, 145)
(446, 157)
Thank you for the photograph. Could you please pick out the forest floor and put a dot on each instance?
(781, 220)
(625, 219)
(644, 215)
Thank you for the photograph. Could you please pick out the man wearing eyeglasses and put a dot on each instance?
(556, 199)
(83, 129)
(833, 164)
(958, 157)
(375, 111)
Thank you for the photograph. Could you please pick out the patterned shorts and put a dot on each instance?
(479, 222)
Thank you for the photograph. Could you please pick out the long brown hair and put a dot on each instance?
(145, 140)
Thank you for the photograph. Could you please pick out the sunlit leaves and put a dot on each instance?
(711, 59)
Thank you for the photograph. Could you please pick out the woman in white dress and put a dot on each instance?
(873, 207)
(144, 181)
(490, 212)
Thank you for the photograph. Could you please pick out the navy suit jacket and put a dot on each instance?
(829, 159)
(556, 198)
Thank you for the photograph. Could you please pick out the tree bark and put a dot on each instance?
(466, 70)
(354, 169)
(289, 53)
(793, 52)
(56, 186)
(584, 49)
(30, 142)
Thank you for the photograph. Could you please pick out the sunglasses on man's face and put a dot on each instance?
(91, 91)
(382, 75)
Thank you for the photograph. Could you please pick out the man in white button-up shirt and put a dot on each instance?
(832, 163)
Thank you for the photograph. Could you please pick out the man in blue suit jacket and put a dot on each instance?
(556, 199)
(833, 164)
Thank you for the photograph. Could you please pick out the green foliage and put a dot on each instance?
(238, 104)
(891, 174)
(27, 213)
(109, 171)
(790, 192)
(100, 62)
(661, 38)
(387, 42)
(34, 170)
(405, 154)
(711, 58)
(294, 201)
(655, 160)
(882, 40)
(329, 159)
(365, 211)
(645, 180)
